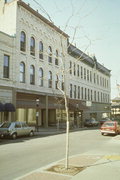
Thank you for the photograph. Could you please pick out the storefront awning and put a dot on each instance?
(9, 107)
(1, 107)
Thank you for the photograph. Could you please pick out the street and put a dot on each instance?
(18, 157)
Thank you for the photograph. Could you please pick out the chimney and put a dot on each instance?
(5, 1)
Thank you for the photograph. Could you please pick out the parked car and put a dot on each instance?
(90, 123)
(15, 129)
(110, 127)
(104, 120)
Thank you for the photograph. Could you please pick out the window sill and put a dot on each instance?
(42, 60)
(23, 53)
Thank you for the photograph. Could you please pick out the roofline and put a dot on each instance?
(87, 59)
(26, 6)
(7, 34)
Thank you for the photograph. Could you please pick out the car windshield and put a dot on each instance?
(108, 124)
(6, 125)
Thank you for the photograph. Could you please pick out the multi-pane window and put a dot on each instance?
(40, 50)
(85, 94)
(88, 94)
(82, 95)
(50, 79)
(78, 92)
(62, 85)
(23, 41)
(88, 75)
(107, 84)
(32, 74)
(85, 73)
(78, 71)
(41, 77)
(6, 66)
(70, 67)
(75, 91)
(81, 72)
(98, 96)
(56, 58)
(98, 79)
(94, 95)
(22, 72)
(101, 97)
(70, 90)
(74, 69)
(49, 54)
(32, 46)
(91, 95)
(94, 78)
(56, 81)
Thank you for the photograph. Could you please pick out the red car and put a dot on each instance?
(110, 127)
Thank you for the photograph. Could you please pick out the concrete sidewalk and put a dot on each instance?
(95, 167)
(100, 167)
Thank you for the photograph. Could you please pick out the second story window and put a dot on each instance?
(40, 50)
(41, 77)
(56, 81)
(78, 92)
(82, 95)
(22, 72)
(50, 79)
(75, 91)
(49, 54)
(6, 66)
(56, 58)
(62, 83)
(32, 46)
(70, 90)
(23, 41)
(32, 74)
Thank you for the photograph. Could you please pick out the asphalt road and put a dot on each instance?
(18, 157)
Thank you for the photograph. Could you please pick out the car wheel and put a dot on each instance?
(31, 133)
(102, 133)
(14, 136)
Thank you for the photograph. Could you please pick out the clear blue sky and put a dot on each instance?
(98, 28)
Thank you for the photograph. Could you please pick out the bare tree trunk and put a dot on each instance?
(67, 134)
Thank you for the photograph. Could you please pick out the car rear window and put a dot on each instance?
(108, 124)
(6, 125)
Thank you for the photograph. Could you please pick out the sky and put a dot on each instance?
(97, 27)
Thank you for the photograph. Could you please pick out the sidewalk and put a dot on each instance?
(54, 130)
(86, 167)
(95, 167)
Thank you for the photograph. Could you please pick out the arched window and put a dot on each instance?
(23, 41)
(50, 79)
(32, 46)
(41, 76)
(50, 54)
(56, 81)
(22, 72)
(40, 50)
(56, 58)
(62, 83)
(32, 74)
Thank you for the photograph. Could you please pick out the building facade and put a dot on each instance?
(43, 65)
